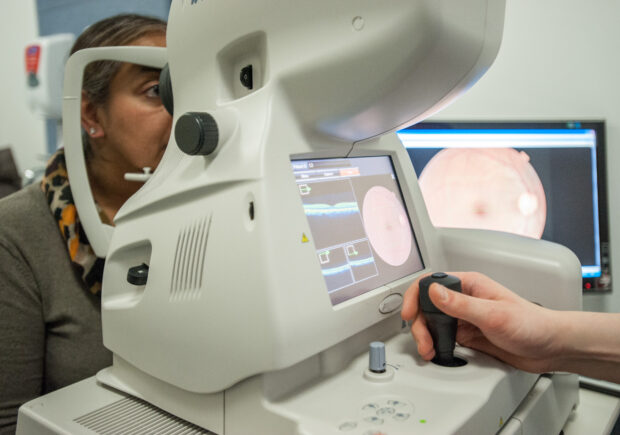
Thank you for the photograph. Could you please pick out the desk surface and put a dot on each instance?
(596, 414)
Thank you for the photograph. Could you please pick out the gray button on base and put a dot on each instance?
(391, 303)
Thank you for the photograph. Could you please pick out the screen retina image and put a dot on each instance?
(537, 182)
(358, 222)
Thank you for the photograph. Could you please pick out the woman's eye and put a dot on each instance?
(153, 91)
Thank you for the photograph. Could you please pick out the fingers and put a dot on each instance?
(475, 309)
(418, 328)
(530, 364)
(481, 344)
(471, 309)
(480, 286)
(472, 283)
(423, 338)
(411, 302)
(466, 333)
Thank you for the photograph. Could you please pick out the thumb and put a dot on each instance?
(471, 309)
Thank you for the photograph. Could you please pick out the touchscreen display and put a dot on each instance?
(359, 223)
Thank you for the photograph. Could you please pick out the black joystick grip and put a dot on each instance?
(441, 326)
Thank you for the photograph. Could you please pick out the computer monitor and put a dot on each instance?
(358, 220)
(538, 179)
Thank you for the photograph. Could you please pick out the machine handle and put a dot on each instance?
(99, 234)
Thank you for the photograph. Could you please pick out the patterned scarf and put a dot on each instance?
(55, 185)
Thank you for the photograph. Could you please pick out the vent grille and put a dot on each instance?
(131, 416)
(189, 261)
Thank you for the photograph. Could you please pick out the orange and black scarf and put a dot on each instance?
(55, 185)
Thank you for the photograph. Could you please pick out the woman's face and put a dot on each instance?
(135, 126)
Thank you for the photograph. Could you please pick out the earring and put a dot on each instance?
(92, 130)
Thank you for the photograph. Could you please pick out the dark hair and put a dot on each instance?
(117, 30)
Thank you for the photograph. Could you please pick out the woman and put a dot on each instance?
(50, 279)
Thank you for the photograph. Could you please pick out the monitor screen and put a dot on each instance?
(359, 223)
(543, 180)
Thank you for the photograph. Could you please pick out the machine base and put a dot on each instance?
(485, 396)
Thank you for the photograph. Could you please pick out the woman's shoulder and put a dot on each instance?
(30, 201)
(25, 216)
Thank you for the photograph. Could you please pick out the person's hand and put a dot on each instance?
(492, 319)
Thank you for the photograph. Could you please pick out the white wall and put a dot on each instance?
(19, 128)
(559, 60)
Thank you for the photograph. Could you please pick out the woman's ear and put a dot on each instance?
(89, 118)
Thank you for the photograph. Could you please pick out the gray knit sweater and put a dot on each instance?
(50, 325)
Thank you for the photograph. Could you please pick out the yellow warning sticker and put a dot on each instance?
(304, 238)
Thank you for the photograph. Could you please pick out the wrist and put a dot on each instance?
(588, 343)
(562, 336)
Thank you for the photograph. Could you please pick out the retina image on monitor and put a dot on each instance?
(544, 180)
(359, 223)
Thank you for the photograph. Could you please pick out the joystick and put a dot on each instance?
(441, 326)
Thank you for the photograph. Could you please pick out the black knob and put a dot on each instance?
(196, 133)
(441, 326)
(138, 275)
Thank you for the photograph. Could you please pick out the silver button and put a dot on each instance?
(386, 411)
(401, 416)
(374, 420)
(370, 407)
(348, 425)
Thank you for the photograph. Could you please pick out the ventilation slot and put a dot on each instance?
(189, 261)
(134, 416)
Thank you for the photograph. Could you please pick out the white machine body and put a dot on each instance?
(239, 327)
